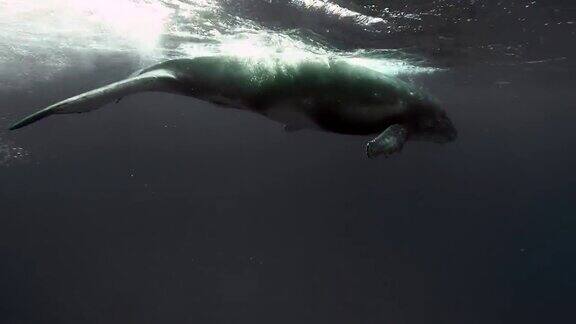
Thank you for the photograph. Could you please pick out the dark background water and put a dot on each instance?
(162, 209)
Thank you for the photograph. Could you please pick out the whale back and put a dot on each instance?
(338, 96)
(254, 79)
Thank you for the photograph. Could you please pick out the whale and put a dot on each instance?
(326, 94)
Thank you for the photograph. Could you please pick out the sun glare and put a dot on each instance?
(138, 23)
(50, 33)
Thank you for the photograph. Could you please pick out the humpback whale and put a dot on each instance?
(329, 95)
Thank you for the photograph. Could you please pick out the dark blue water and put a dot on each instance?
(165, 209)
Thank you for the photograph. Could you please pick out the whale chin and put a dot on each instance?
(443, 136)
(437, 128)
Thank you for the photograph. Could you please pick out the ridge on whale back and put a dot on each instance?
(329, 95)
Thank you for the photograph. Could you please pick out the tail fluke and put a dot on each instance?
(158, 80)
(32, 118)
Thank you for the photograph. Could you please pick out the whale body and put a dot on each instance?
(328, 95)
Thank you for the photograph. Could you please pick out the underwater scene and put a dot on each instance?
(287, 162)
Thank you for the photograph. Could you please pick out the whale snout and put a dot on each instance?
(450, 133)
(435, 128)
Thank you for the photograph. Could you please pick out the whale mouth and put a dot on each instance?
(444, 138)
(444, 133)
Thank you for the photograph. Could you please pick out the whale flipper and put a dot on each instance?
(390, 141)
(156, 80)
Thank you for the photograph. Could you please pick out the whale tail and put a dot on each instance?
(157, 80)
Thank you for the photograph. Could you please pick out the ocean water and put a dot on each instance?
(166, 209)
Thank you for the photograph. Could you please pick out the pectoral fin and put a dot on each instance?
(389, 142)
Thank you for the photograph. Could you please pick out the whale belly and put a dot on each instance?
(359, 118)
(292, 116)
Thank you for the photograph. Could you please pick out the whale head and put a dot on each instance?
(431, 124)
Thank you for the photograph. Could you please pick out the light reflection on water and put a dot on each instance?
(45, 35)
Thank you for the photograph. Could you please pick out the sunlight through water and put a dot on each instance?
(51, 35)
